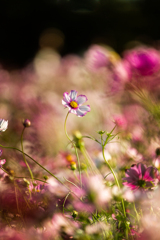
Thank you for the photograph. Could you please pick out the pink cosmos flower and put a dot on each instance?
(2, 161)
(97, 57)
(74, 103)
(144, 61)
(141, 177)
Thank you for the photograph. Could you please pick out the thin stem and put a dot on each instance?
(110, 168)
(65, 200)
(65, 127)
(23, 177)
(90, 163)
(29, 169)
(79, 168)
(36, 163)
(72, 183)
(37, 179)
(137, 215)
(17, 199)
(107, 175)
(116, 180)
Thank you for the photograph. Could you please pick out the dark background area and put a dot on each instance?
(82, 22)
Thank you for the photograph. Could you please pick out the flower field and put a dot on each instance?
(80, 146)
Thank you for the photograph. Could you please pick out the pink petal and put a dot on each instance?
(66, 97)
(81, 99)
(82, 110)
(73, 95)
(3, 161)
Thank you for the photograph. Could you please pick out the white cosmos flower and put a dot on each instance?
(3, 125)
(74, 103)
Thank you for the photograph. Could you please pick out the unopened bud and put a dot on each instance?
(73, 166)
(83, 166)
(26, 182)
(45, 177)
(77, 134)
(101, 132)
(26, 123)
(158, 151)
(78, 139)
(74, 214)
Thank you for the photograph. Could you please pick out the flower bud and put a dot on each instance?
(26, 123)
(83, 166)
(101, 132)
(45, 177)
(78, 139)
(74, 214)
(158, 151)
(26, 182)
(73, 166)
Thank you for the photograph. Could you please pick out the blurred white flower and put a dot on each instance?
(3, 125)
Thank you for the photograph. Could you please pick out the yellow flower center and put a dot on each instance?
(69, 158)
(73, 104)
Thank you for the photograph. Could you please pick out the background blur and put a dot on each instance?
(71, 26)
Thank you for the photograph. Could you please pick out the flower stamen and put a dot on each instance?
(73, 104)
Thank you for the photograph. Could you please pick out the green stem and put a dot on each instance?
(36, 163)
(65, 200)
(29, 169)
(137, 215)
(89, 161)
(116, 180)
(37, 179)
(79, 168)
(110, 168)
(65, 128)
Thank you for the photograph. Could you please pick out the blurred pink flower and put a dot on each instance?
(120, 76)
(97, 57)
(120, 121)
(74, 103)
(141, 177)
(133, 154)
(2, 161)
(143, 61)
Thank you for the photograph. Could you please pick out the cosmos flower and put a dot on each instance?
(74, 103)
(141, 177)
(2, 161)
(144, 61)
(3, 125)
(97, 57)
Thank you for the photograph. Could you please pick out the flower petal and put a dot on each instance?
(142, 168)
(73, 95)
(66, 104)
(82, 110)
(2, 161)
(74, 111)
(66, 97)
(3, 125)
(81, 99)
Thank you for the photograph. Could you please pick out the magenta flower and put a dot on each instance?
(141, 177)
(144, 61)
(74, 103)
